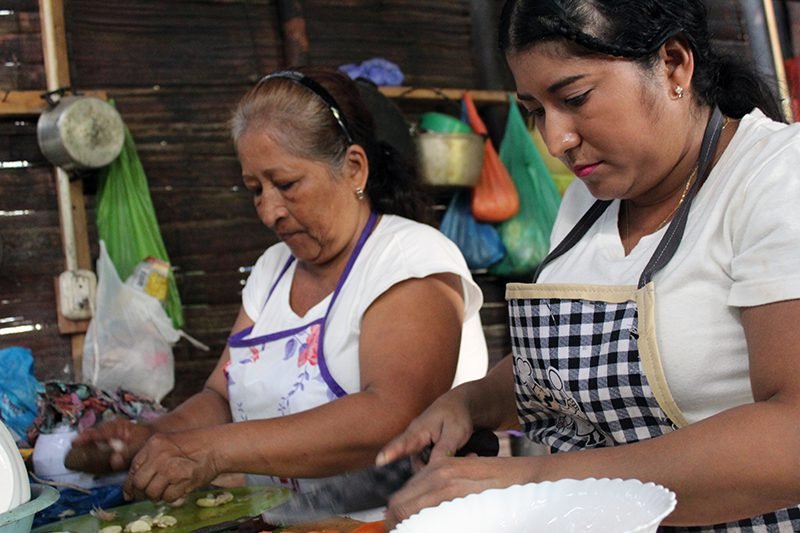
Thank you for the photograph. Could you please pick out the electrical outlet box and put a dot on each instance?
(77, 290)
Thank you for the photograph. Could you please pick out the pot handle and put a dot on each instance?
(49, 95)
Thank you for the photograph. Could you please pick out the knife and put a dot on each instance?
(365, 489)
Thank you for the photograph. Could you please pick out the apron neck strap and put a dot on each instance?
(672, 238)
(575, 234)
(373, 219)
(278, 279)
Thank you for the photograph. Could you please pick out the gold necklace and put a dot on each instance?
(671, 213)
(680, 202)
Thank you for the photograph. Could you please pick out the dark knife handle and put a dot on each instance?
(483, 442)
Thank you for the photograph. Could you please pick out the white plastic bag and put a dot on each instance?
(129, 340)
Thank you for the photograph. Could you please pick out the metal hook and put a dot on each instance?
(48, 96)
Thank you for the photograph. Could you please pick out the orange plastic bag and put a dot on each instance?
(494, 198)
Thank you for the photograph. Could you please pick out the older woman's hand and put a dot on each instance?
(124, 437)
(171, 465)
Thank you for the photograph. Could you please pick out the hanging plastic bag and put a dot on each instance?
(129, 341)
(18, 390)
(126, 221)
(480, 243)
(527, 235)
(494, 198)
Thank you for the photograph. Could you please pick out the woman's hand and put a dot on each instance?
(171, 465)
(445, 479)
(450, 420)
(125, 438)
(446, 424)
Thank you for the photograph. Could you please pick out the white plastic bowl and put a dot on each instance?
(20, 519)
(564, 506)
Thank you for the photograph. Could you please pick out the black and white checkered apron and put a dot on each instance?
(586, 365)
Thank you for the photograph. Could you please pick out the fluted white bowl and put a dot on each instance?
(564, 506)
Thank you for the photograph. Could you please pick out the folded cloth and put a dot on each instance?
(79, 406)
(378, 70)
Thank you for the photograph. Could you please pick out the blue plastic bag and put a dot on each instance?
(480, 243)
(18, 391)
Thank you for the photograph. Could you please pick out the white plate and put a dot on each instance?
(564, 506)
(20, 488)
(13, 468)
(8, 491)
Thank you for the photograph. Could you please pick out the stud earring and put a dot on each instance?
(359, 193)
(678, 92)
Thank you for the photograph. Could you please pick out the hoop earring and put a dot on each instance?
(678, 92)
(359, 193)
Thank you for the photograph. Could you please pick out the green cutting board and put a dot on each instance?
(247, 502)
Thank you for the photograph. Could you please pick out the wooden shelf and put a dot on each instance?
(435, 93)
(20, 103)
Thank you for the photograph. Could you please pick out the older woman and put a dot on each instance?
(349, 327)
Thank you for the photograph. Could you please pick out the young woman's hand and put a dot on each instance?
(445, 479)
(446, 424)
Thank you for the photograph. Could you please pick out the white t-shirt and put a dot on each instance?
(741, 248)
(398, 249)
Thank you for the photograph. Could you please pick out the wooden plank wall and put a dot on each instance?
(30, 241)
(175, 69)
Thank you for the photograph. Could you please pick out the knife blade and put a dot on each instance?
(369, 488)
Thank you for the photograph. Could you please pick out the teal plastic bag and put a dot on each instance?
(526, 235)
(479, 242)
(126, 221)
(18, 391)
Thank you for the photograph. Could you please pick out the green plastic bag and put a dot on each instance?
(126, 221)
(526, 235)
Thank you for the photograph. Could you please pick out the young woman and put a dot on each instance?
(658, 338)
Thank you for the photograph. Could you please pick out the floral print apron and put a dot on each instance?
(586, 364)
(285, 372)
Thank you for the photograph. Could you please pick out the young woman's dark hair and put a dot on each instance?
(317, 113)
(636, 29)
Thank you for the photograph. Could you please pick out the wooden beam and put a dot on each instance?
(23, 103)
(435, 93)
(778, 60)
(71, 206)
(54, 43)
(293, 28)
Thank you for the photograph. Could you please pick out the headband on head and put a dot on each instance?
(317, 89)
